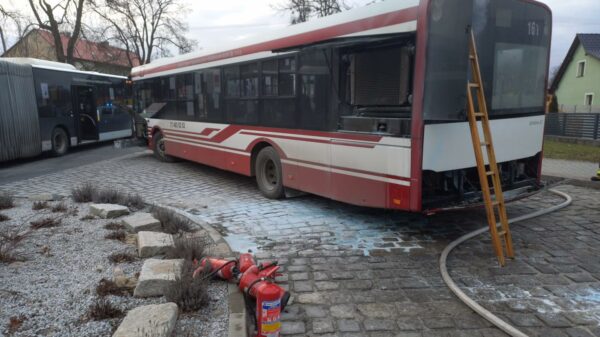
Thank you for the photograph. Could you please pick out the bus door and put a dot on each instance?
(85, 116)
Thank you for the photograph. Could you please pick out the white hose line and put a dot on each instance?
(509, 329)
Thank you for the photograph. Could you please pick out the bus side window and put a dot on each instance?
(314, 89)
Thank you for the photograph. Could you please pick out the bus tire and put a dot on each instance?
(269, 175)
(159, 149)
(60, 142)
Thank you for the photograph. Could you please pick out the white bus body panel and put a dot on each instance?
(449, 146)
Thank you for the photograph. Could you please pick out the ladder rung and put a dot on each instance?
(479, 114)
(485, 143)
(489, 173)
(502, 232)
(473, 85)
(472, 57)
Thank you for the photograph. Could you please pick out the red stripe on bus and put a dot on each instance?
(382, 175)
(374, 22)
(310, 140)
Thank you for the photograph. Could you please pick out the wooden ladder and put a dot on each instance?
(496, 202)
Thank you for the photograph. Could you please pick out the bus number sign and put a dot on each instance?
(177, 125)
(533, 28)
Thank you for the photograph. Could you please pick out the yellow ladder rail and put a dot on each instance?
(493, 202)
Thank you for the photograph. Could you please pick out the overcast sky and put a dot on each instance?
(212, 21)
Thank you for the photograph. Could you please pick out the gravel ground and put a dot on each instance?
(55, 284)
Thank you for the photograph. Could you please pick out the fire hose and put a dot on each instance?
(495, 320)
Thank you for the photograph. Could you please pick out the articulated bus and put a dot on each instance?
(52, 106)
(366, 107)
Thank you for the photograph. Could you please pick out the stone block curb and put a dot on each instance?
(108, 211)
(157, 320)
(239, 322)
(153, 243)
(141, 221)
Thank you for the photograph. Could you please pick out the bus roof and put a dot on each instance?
(387, 17)
(51, 65)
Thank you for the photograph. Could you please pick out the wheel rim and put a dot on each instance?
(161, 147)
(59, 142)
(270, 176)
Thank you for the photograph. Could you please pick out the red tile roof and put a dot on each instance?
(94, 51)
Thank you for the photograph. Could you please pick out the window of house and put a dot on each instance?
(589, 99)
(581, 69)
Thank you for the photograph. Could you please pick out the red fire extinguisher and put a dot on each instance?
(257, 283)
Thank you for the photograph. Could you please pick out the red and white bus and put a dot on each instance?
(365, 107)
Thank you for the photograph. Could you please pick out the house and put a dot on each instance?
(88, 55)
(577, 83)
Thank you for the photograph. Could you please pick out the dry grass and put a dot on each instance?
(45, 223)
(38, 205)
(107, 287)
(189, 293)
(187, 248)
(4, 217)
(121, 257)
(15, 323)
(9, 240)
(83, 192)
(102, 309)
(114, 226)
(133, 201)
(171, 222)
(87, 217)
(61, 207)
(6, 200)
(119, 235)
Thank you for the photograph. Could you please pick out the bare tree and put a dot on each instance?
(303, 10)
(56, 19)
(146, 28)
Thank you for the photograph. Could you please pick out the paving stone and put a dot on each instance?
(321, 326)
(141, 221)
(326, 285)
(343, 311)
(299, 276)
(378, 310)
(438, 322)
(108, 211)
(293, 328)
(409, 324)
(153, 243)
(555, 320)
(315, 311)
(524, 320)
(372, 324)
(157, 320)
(156, 275)
(348, 325)
(303, 286)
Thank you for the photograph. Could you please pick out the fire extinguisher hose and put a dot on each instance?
(504, 326)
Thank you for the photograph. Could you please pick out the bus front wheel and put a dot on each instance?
(60, 142)
(269, 174)
(159, 149)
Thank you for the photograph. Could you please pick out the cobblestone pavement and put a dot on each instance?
(363, 272)
(571, 169)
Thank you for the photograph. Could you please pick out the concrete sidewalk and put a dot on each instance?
(571, 169)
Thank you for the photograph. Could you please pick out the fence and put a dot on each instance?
(576, 125)
(579, 108)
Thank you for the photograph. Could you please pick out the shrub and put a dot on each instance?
(4, 217)
(9, 240)
(114, 226)
(187, 248)
(103, 309)
(15, 322)
(6, 200)
(121, 257)
(87, 217)
(133, 201)
(60, 207)
(107, 287)
(119, 235)
(45, 223)
(171, 222)
(39, 205)
(83, 192)
(107, 196)
(189, 293)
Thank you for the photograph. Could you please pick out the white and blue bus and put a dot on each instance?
(51, 106)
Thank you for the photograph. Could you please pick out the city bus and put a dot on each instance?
(52, 106)
(366, 107)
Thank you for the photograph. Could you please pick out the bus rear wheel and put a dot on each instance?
(60, 142)
(269, 174)
(159, 149)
